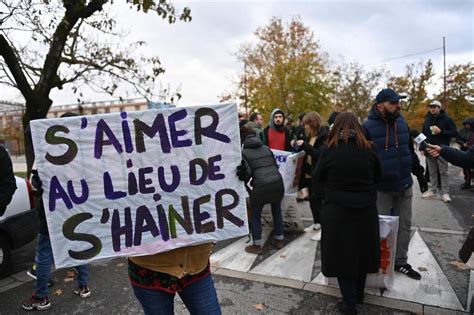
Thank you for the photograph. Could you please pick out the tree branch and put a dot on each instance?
(13, 64)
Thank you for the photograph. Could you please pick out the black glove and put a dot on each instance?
(36, 183)
(242, 171)
(423, 183)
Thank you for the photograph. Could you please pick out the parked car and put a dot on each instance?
(19, 223)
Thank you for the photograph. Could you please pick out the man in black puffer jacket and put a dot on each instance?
(260, 168)
(439, 128)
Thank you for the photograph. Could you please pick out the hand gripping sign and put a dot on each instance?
(138, 183)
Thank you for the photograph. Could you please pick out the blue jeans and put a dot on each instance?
(199, 297)
(44, 260)
(257, 222)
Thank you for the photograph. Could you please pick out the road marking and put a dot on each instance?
(433, 289)
(235, 257)
(294, 261)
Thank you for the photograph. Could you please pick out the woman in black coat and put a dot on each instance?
(347, 173)
(313, 143)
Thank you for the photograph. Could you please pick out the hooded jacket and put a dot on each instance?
(281, 128)
(266, 182)
(445, 123)
(392, 140)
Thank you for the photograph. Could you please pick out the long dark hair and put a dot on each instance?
(344, 123)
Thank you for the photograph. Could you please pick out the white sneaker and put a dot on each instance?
(313, 227)
(316, 237)
(429, 195)
(446, 198)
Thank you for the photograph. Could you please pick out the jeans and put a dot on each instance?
(352, 290)
(199, 297)
(401, 202)
(44, 260)
(257, 222)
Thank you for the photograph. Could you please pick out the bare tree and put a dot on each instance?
(46, 45)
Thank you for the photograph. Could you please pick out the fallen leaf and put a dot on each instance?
(259, 306)
(68, 279)
(120, 265)
(58, 292)
(459, 265)
(422, 269)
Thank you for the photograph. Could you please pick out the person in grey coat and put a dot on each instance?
(260, 169)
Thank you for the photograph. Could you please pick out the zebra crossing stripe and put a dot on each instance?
(295, 262)
(433, 289)
(234, 256)
(283, 264)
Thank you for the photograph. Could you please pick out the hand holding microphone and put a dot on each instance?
(433, 150)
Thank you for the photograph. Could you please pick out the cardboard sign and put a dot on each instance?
(138, 183)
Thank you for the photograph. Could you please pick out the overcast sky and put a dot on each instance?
(199, 56)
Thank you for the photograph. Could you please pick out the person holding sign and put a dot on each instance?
(44, 254)
(157, 278)
(350, 241)
(259, 166)
(313, 142)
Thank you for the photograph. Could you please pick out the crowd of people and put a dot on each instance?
(346, 195)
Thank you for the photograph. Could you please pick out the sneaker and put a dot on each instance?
(277, 243)
(35, 303)
(313, 227)
(83, 291)
(32, 273)
(408, 270)
(429, 195)
(253, 249)
(468, 247)
(446, 198)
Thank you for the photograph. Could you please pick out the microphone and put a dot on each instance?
(421, 139)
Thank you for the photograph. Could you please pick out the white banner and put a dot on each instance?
(138, 183)
(289, 165)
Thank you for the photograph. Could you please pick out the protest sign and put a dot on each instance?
(289, 165)
(137, 183)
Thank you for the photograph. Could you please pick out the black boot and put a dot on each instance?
(468, 247)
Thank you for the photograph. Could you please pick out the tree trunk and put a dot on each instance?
(35, 109)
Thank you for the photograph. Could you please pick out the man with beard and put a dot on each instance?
(276, 135)
(391, 136)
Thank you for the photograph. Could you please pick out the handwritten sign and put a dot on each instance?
(138, 183)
